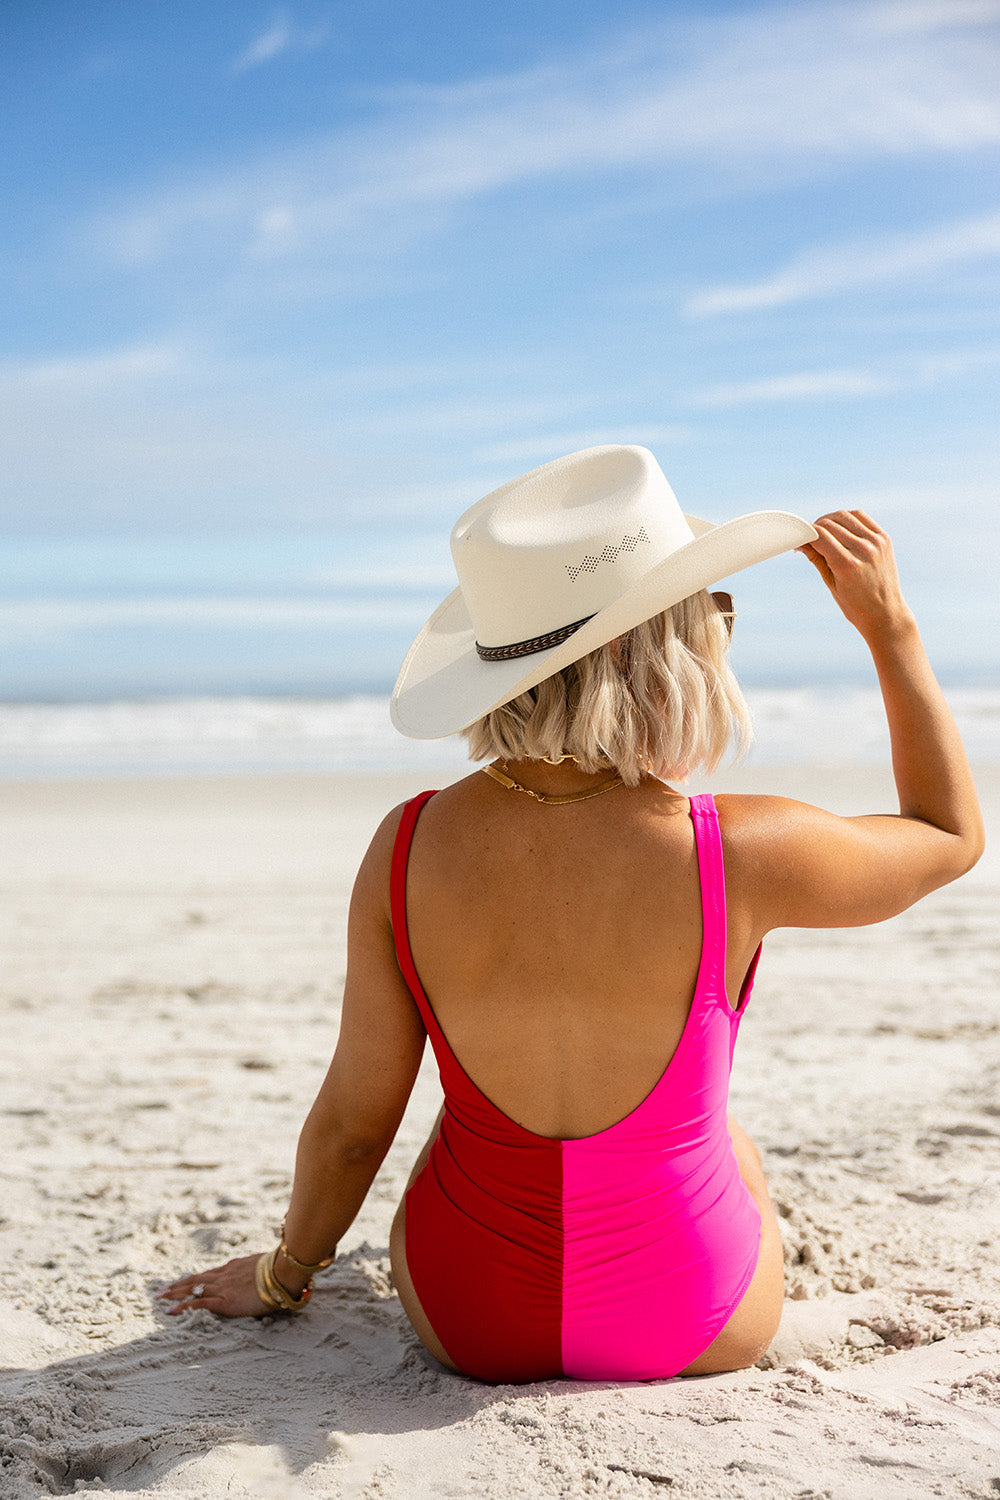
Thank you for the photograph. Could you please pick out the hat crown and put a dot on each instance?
(560, 543)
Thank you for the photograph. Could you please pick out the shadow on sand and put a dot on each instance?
(125, 1418)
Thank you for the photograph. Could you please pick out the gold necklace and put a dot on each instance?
(551, 798)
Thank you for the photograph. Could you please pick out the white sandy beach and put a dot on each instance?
(172, 957)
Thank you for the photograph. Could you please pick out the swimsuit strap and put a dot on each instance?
(711, 873)
(397, 904)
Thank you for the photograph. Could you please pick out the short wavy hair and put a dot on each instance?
(660, 700)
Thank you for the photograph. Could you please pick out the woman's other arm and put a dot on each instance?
(803, 867)
(357, 1111)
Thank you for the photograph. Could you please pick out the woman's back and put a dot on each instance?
(610, 1253)
(559, 946)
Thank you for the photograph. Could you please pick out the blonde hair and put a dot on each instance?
(660, 700)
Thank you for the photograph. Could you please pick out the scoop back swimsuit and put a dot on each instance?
(618, 1256)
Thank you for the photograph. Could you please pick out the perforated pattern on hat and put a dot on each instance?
(588, 563)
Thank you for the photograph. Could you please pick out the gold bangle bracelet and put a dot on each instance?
(274, 1296)
(301, 1265)
(288, 1301)
(261, 1285)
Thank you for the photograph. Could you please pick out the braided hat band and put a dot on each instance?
(529, 648)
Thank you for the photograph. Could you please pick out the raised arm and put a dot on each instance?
(357, 1111)
(797, 866)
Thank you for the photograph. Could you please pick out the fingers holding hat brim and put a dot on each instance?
(443, 685)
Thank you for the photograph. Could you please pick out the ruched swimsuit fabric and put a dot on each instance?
(619, 1256)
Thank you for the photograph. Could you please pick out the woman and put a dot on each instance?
(579, 939)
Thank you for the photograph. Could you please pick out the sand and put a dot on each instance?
(172, 957)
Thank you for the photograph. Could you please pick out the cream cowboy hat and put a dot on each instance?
(557, 563)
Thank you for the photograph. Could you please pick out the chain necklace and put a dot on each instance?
(550, 798)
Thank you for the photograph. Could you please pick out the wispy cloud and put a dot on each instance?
(933, 15)
(856, 265)
(182, 420)
(779, 92)
(280, 37)
(538, 450)
(808, 385)
(459, 414)
(36, 616)
(94, 370)
(920, 372)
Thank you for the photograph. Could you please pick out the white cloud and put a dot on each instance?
(111, 436)
(45, 616)
(857, 264)
(268, 45)
(180, 426)
(806, 386)
(971, 502)
(93, 371)
(933, 15)
(280, 37)
(777, 92)
(919, 372)
(538, 450)
(460, 415)
(932, 368)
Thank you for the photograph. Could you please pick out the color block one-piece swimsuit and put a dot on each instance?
(620, 1256)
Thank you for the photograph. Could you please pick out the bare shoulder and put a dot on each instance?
(796, 865)
(372, 881)
(763, 836)
(379, 851)
(371, 884)
(763, 826)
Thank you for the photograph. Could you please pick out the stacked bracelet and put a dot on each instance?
(300, 1265)
(274, 1296)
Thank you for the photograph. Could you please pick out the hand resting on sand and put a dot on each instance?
(230, 1291)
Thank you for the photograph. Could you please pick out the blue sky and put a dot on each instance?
(287, 289)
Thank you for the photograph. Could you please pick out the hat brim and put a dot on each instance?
(443, 684)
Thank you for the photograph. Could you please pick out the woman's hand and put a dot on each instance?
(854, 558)
(229, 1290)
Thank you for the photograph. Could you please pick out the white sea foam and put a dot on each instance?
(820, 726)
(208, 735)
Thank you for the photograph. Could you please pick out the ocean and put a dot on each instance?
(822, 726)
(205, 654)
